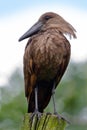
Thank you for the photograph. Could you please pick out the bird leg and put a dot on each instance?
(36, 99)
(36, 111)
(53, 97)
(54, 104)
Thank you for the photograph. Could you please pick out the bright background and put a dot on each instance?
(16, 17)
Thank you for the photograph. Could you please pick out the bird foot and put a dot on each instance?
(37, 114)
(61, 117)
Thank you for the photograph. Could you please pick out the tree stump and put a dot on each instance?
(46, 122)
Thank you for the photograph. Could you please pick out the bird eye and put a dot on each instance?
(47, 17)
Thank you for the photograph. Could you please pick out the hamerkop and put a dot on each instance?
(46, 57)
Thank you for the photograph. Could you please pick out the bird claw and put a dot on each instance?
(61, 117)
(37, 114)
(55, 113)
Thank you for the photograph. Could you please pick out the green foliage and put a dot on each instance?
(12, 112)
(13, 103)
(71, 99)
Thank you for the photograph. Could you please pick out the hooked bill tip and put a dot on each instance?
(22, 37)
(19, 39)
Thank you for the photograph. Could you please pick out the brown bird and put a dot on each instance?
(46, 57)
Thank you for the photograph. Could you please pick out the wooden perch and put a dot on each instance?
(46, 122)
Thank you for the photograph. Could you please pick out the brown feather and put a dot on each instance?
(46, 57)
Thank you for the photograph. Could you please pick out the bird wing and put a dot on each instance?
(29, 75)
(64, 61)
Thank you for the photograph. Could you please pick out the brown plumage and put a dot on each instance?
(46, 57)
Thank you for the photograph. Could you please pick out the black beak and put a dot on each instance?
(33, 30)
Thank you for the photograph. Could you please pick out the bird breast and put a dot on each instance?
(48, 51)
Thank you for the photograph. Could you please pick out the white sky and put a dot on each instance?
(12, 27)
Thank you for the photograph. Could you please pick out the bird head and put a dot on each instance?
(47, 21)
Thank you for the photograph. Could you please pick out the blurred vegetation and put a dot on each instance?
(71, 99)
